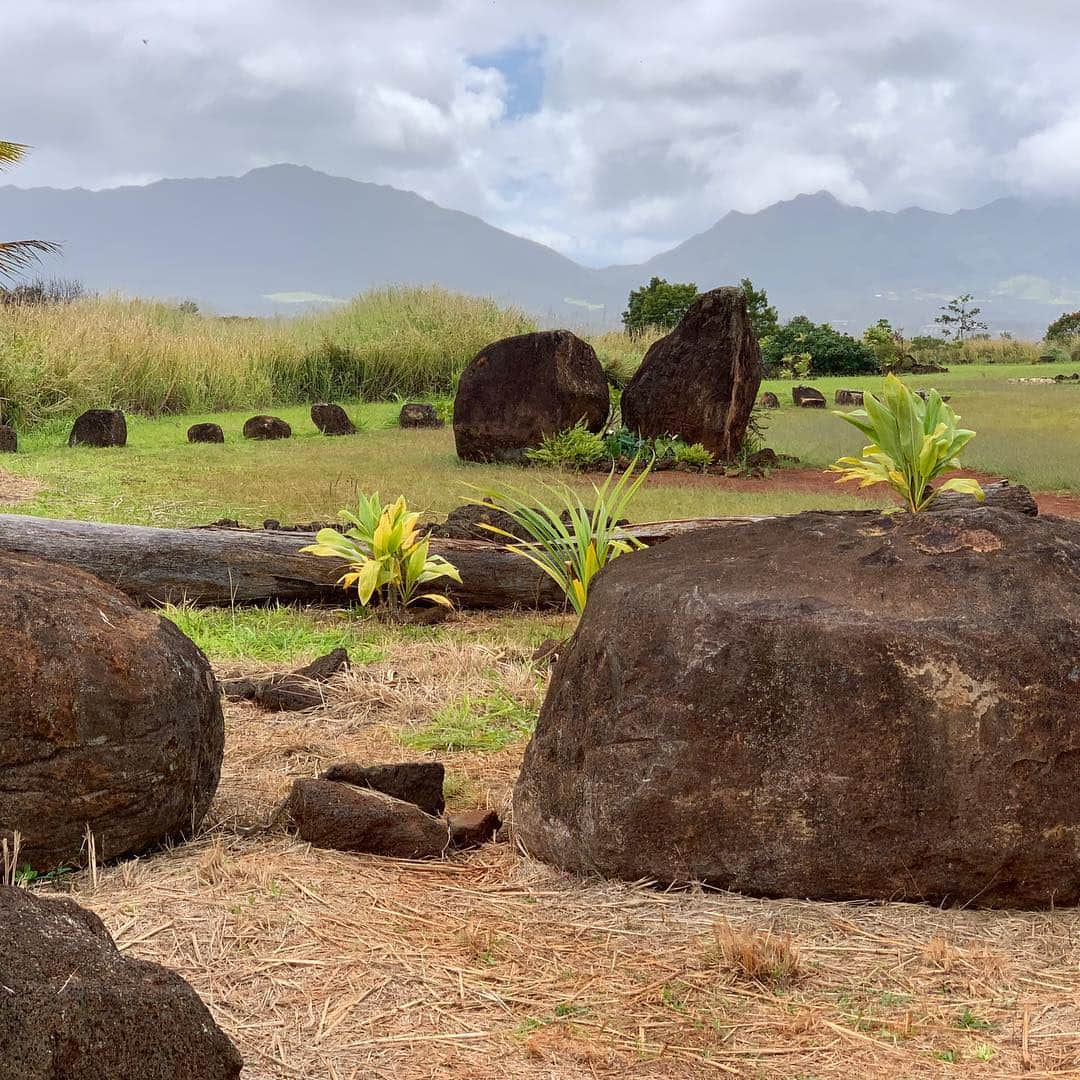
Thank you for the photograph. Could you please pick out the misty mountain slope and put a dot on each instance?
(849, 265)
(232, 242)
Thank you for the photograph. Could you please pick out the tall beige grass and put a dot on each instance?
(152, 358)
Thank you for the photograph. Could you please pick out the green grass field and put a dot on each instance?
(1028, 433)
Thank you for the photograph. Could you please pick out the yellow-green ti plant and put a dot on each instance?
(574, 549)
(386, 554)
(914, 442)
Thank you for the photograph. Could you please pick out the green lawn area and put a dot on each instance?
(1029, 433)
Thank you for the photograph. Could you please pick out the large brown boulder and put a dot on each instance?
(701, 380)
(519, 389)
(110, 718)
(75, 1008)
(827, 706)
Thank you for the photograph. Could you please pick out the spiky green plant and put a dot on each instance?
(914, 442)
(570, 542)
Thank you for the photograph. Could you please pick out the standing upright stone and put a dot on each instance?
(701, 381)
(332, 419)
(519, 389)
(9, 441)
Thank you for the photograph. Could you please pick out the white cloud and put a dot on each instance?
(653, 122)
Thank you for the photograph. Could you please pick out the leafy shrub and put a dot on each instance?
(830, 352)
(913, 443)
(1063, 327)
(660, 303)
(41, 293)
(571, 543)
(624, 444)
(385, 553)
(693, 454)
(576, 448)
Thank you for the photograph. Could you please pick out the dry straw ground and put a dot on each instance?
(321, 964)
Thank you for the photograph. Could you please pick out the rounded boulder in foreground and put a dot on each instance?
(111, 719)
(832, 706)
(517, 390)
(73, 1007)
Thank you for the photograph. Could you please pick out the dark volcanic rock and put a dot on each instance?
(827, 706)
(418, 414)
(806, 397)
(765, 458)
(99, 427)
(267, 427)
(349, 818)
(519, 389)
(205, 433)
(466, 523)
(471, 828)
(332, 419)
(769, 400)
(74, 1008)
(701, 380)
(292, 691)
(9, 441)
(417, 782)
(111, 718)
(848, 397)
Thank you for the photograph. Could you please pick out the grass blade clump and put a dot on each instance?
(569, 542)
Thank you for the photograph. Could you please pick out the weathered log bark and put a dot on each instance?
(242, 566)
(225, 566)
(1003, 495)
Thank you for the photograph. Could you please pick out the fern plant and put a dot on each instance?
(575, 448)
(914, 442)
(569, 542)
(386, 554)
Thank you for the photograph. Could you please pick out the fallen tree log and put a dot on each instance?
(246, 566)
(240, 566)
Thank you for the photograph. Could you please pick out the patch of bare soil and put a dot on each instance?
(14, 489)
(322, 964)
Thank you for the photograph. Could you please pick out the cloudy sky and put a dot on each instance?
(609, 129)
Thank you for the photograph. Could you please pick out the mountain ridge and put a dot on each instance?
(234, 243)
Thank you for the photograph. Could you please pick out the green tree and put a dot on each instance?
(830, 352)
(763, 316)
(959, 319)
(16, 255)
(660, 303)
(1065, 327)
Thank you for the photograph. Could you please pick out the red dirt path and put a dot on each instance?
(817, 480)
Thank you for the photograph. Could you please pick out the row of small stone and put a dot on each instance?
(806, 397)
(108, 427)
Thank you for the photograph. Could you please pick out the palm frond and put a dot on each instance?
(16, 255)
(11, 152)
